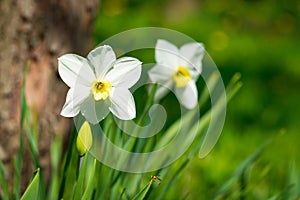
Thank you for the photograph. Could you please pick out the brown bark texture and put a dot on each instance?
(38, 31)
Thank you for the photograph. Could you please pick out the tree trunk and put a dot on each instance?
(39, 32)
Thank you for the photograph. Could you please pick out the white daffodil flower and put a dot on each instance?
(178, 70)
(99, 84)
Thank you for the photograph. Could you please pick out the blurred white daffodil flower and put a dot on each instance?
(99, 84)
(178, 70)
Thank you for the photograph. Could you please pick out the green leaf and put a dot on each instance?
(176, 172)
(122, 193)
(56, 149)
(110, 178)
(142, 194)
(90, 184)
(32, 191)
(211, 84)
(23, 103)
(30, 126)
(3, 183)
(32, 135)
(18, 160)
(181, 124)
(240, 170)
(84, 174)
(217, 113)
(69, 168)
(292, 186)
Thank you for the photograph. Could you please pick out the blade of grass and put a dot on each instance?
(174, 177)
(122, 193)
(31, 133)
(105, 175)
(218, 113)
(275, 197)
(55, 156)
(292, 186)
(18, 160)
(284, 194)
(80, 185)
(69, 173)
(113, 176)
(142, 194)
(240, 170)
(90, 183)
(3, 183)
(211, 83)
(32, 191)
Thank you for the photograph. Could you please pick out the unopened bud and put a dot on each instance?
(84, 139)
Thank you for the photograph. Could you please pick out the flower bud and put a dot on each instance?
(84, 138)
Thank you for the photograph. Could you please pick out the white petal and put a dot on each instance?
(68, 68)
(86, 76)
(166, 53)
(75, 97)
(102, 58)
(88, 110)
(163, 89)
(125, 73)
(69, 109)
(188, 95)
(192, 55)
(102, 109)
(163, 76)
(160, 73)
(94, 111)
(81, 92)
(122, 103)
(195, 74)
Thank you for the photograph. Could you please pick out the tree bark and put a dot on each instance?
(39, 32)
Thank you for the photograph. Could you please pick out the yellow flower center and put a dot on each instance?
(101, 89)
(182, 76)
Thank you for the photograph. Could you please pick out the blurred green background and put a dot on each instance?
(259, 39)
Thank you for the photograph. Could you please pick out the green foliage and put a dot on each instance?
(142, 194)
(260, 39)
(240, 176)
(18, 161)
(86, 178)
(3, 183)
(32, 191)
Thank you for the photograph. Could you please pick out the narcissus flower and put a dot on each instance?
(99, 84)
(178, 70)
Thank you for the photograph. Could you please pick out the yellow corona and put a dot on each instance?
(101, 89)
(182, 76)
